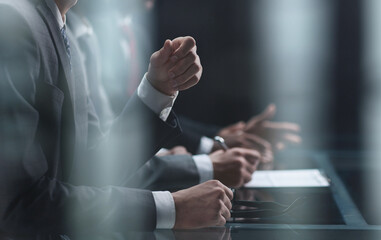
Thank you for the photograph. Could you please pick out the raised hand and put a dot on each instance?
(175, 67)
(279, 134)
(235, 136)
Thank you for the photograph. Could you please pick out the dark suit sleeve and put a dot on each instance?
(166, 173)
(135, 136)
(193, 131)
(31, 202)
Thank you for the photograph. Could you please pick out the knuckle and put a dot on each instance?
(197, 68)
(192, 57)
(191, 40)
(228, 214)
(229, 205)
(221, 205)
(256, 153)
(219, 192)
(215, 182)
(180, 79)
(194, 80)
(222, 221)
(237, 152)
(176, 71)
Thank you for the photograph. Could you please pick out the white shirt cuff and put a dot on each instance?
(206, 145)
(165, 210)
(158, 102)
(204, 167)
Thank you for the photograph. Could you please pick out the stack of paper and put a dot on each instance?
(288, 178)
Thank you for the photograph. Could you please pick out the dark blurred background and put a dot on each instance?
(309, 57)
(319, 61)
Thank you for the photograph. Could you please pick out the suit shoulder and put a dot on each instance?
(16, 32)
(19, 49)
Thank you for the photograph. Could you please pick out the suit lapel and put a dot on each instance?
(52, 24)
(74, 77)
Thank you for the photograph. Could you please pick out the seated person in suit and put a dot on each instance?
(259, 133)
(59, 173)
(128, 22)
(163, 172)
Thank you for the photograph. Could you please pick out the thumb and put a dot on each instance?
(267, 114)
(161, 57)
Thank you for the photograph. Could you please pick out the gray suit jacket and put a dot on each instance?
(56, 167)
(160, 173)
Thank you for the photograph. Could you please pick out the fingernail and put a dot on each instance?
(174, 58)
(171, 75)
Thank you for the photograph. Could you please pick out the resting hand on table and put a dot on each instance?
(205, 205)
(235, 166)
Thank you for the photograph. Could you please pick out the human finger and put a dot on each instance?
(188, 74)
(162, 56)
(183, 64)
(267, 114)
(184, 46)
(225, 212)
(227, 202)
(247, 176)
(267, 156)
(251, 156)
(239, 126)
(292, 138)
(228, 191)
(251, 167)
(280, 146)
(283, 126)
(179, 150)
(258, 141)
(221, 221)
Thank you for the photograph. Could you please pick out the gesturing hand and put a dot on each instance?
(279, 134)
(235, 136)
(204, 205)
(175, 67)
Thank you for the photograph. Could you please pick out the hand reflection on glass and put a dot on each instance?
(203, 234)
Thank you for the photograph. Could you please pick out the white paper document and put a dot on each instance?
(288, 178)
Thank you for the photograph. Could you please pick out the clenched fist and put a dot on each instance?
(204, 205)
(175, 67)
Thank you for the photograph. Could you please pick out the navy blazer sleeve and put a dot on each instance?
(193, 131)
